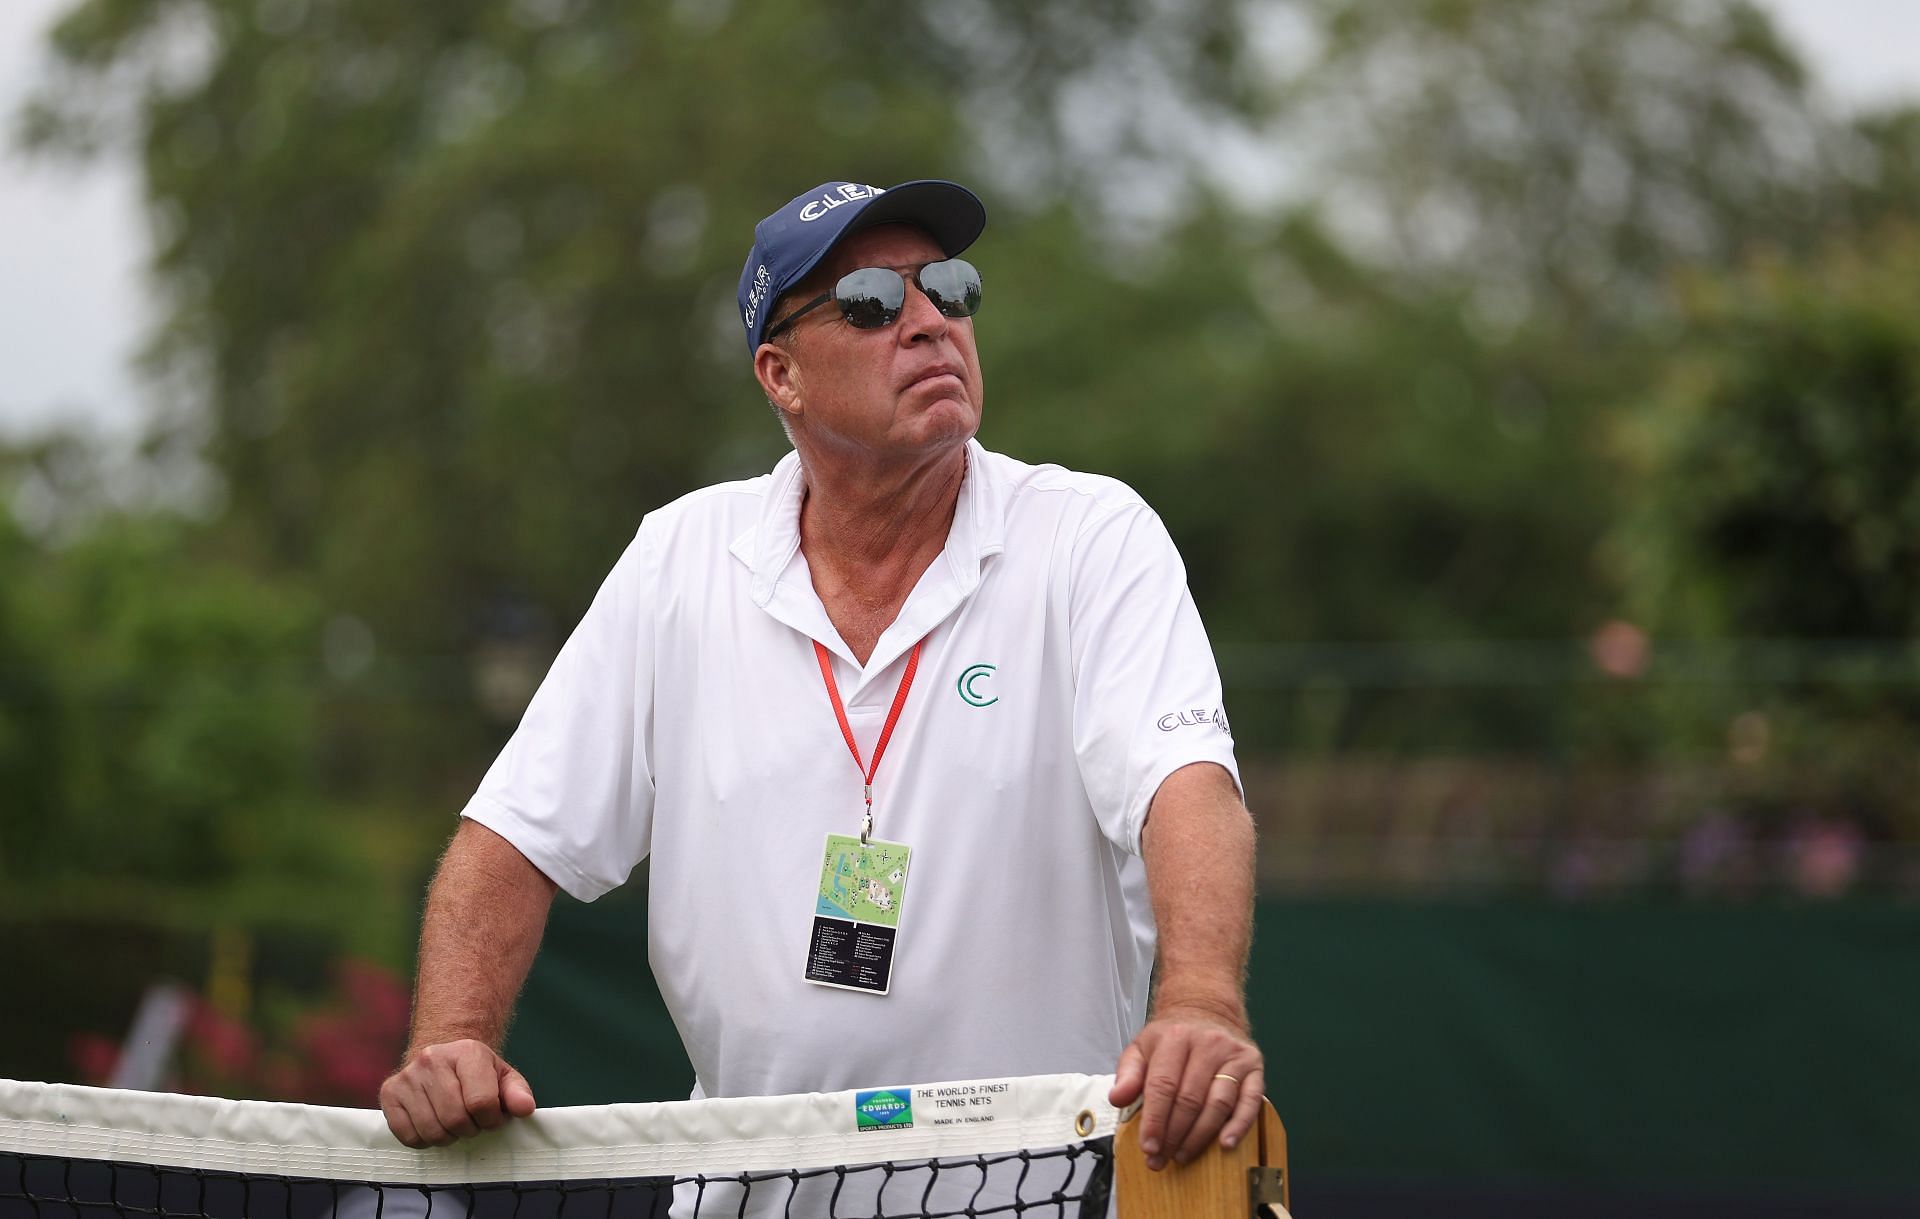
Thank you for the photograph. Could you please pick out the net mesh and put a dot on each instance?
(73, 1153)
(53, 1188)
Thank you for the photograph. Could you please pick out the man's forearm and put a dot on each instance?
(1194, 1068)
(1198, 847)
(486, 909)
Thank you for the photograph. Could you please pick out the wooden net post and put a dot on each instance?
(1218, 1184)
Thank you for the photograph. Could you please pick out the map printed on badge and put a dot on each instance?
(863, 883)
(857, 913)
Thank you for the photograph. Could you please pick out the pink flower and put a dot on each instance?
(228, 1046)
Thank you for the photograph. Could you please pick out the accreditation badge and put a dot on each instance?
(856, 914)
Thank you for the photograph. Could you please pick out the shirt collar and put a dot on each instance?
(979, 526)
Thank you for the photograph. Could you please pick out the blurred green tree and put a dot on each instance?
(1883, 177)
(29, 754)
(1775, 460)
(156, 724)
(1778, 455)
(1567, 157)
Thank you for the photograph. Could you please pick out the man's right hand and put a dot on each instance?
(452, 1091)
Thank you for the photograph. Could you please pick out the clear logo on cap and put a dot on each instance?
(757, 294)
(840, 196)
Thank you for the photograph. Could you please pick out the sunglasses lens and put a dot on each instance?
(870, 297)
(953, 286)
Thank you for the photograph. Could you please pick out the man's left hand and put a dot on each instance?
(1197, 1074)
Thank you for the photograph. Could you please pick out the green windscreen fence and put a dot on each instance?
(1674, 1047)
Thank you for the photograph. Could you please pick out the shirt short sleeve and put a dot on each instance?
(1146, 688)
(573, 789)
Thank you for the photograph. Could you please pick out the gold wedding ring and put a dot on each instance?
(1229, 1078)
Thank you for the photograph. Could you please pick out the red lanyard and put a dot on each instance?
(886, 734)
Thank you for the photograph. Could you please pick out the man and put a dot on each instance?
(983, 684)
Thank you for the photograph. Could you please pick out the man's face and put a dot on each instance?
(913, 386)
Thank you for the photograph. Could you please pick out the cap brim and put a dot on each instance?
(950, 213)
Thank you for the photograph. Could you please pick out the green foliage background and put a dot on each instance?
(1427, 325)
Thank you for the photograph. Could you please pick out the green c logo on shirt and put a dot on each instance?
(968, 686)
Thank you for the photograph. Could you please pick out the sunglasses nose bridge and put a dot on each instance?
(918, 312)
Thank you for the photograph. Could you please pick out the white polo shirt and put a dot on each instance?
(1065, 674)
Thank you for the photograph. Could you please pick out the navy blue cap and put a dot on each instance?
(791, 242)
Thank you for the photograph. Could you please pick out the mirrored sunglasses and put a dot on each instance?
(872, 297)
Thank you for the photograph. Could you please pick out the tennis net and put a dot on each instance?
(1040, 1145)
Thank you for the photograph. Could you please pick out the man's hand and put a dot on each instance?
(452, 1091)
(1197, 1074)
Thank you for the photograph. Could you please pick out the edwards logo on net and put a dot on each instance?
(883, 1109)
